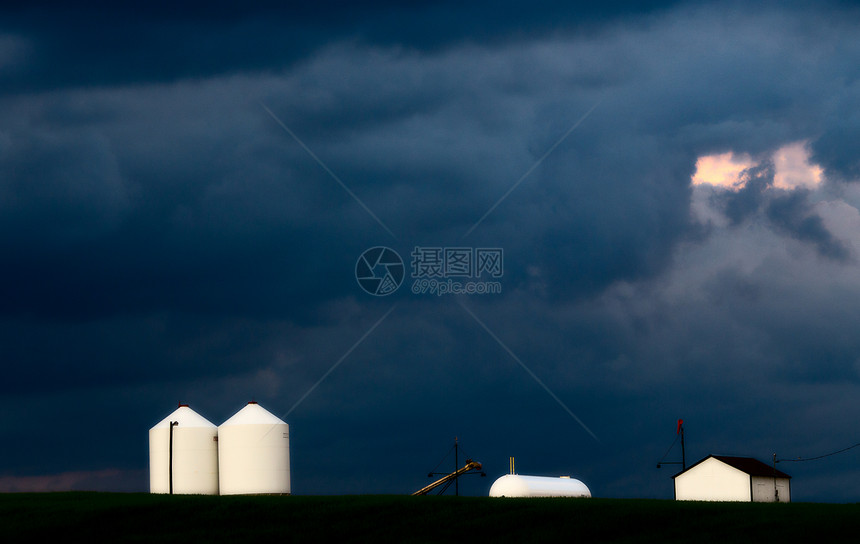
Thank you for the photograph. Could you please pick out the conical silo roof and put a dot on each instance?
(186, 418)
(254, 414)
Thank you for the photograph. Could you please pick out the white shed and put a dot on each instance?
(254, 453)
(514, 485)
(724, 478)
(192, 462)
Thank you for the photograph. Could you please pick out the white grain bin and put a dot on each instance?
(254, 453)
(194, 457)
(514, 485)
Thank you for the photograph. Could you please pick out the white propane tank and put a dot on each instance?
(515, 485)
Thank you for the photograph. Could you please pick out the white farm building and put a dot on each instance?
(724, 478)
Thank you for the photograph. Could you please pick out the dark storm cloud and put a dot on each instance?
(96, 43)
(837, 148)
(152, 212)
(789, 212)
(749, 199)
(170, 203)
(123, 350)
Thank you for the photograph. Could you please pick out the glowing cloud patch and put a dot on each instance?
(722, 170)
(792, 169)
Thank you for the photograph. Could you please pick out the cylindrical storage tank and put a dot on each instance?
(514, 485)
(194, 456)
(254, 453)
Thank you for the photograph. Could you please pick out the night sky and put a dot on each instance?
(185, 192)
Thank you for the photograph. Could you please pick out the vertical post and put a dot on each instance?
(170, 457)
(775, 490)
(456, 467)
(683, 451)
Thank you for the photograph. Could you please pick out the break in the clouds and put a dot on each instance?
(688, 248)
(791, 166)
(777, 189)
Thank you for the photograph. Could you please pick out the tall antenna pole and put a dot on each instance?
(683, 452)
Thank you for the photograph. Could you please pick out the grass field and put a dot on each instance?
(159, 518)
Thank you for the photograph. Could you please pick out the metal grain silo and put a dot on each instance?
(183, 454)
(254, 453)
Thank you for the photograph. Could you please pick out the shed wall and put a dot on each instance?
(713, 480)
(763, 489)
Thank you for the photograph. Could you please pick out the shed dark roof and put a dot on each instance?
(751, 466)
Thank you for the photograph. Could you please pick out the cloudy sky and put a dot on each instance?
(185, 193)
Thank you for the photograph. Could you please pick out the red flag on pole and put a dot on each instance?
(680, 422)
